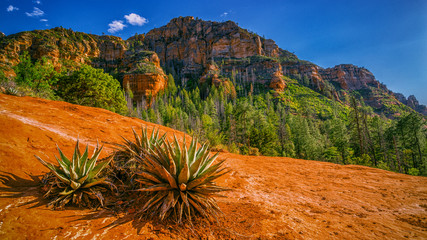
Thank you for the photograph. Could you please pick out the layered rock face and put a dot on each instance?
(255, 70)
(346, 78)
(189, 46)
(144, 85)
(277, 82)
(212, 76)
(304, 69)
(353, 78)
(111, 50)
(193, 42)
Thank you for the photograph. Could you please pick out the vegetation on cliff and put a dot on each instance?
(298, 122)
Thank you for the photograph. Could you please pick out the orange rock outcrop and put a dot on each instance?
(277, 83)
(145, 85)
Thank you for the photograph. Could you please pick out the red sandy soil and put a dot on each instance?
(272, 197)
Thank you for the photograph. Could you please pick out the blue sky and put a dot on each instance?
(388, 37)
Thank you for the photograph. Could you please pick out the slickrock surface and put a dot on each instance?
(272, 197)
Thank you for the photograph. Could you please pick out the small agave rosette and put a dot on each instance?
(76, 180)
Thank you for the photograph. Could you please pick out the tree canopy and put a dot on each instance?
(92, 87)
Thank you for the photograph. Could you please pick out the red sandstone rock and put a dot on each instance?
(277, 83)
(270, 197)
(145, 85)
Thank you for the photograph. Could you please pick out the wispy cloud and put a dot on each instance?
(38, 2)
(11, 8)
(225, 14)
(35, 13)
(115, 26)
(43, 20)
(135, 19)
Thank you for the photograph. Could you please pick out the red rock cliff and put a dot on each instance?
(189, 45)
(195, 41)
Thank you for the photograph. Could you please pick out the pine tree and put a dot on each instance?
(338, 135)
(243, 113)
(357, 123)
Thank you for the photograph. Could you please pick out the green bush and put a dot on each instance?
(92, 87)
(36, 78)
(414, 172)
(146, 67)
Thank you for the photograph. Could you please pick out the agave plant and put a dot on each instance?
(76, 179)
(125, 163)
(128, 149)
(180, 181)
(12, 91)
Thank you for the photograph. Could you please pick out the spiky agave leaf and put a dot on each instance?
(179, 180)
(67, 181)
(125, 164)
(142, 142)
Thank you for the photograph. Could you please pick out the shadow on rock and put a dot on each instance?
(18, 187)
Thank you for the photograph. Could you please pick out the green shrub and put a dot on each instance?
(146, 67)
(36, 78)
(383, 165)
(92, 87)
(414, 172)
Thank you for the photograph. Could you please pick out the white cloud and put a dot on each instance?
(135, 19)
(38, 2)
(43, 20)
(116, 26)
(226, 13)
(12, 8)
(36, 13)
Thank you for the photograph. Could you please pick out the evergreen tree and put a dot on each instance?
(339, 138)
(243, 113)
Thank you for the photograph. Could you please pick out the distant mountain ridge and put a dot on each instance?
(202, 52)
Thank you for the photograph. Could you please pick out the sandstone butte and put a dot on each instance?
(272, 197)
